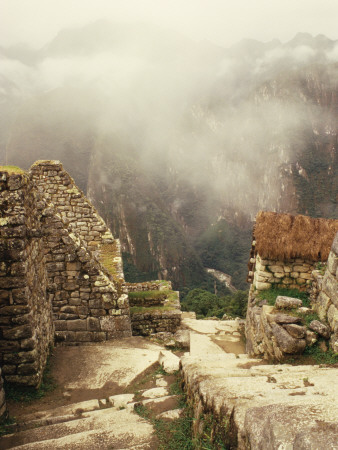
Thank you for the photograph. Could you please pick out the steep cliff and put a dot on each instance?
(179, 143)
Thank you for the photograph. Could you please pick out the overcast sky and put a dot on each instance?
(223, 22)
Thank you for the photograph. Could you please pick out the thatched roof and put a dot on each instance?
(283, 236)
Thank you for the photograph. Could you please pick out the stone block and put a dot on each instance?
(60, 325)
(83, 336)
(282, 318)
(276, 268)
(332, 318)
(334, 247)
(98, 312)
(287, 302)
(27, 369)
(77, 325)
(16, 333)
(330, 287)
(302, 268)
(93, 324)
(262, 286)
(296, 331)
(320, 328)
(332, 263)
(306, 275)
(286, 342)
(107, 323)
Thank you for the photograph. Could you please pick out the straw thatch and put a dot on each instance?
(283, 236)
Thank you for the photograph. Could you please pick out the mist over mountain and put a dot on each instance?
(178, 143)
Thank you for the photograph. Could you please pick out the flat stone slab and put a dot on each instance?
(114, 364)
(239, 385)
(101, 429)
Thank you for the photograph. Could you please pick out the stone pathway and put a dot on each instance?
(100, 384)
(261, 406)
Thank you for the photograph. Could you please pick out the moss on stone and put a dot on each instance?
(12, 169)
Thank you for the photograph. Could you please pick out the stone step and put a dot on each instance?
(104, 428)
(201, 344)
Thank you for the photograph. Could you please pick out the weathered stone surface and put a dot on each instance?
(330, 287)
(283, 318)
(16, 333)
(295, 331)
(287, 343)
(334, 247)
(320, 328)
(311, 337)
(287, 302)
(332, 318)
(77, 325)
(332, 263)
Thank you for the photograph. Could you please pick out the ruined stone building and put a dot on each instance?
(293, 252)
(61, 275)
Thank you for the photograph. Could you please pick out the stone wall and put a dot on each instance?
(3, 408)
(146, 323)
(149, 317)
(325, 294)
(158, 285)
(59, 188)
(291, 274)
(26, 325)
(87, 304)
(271, 332)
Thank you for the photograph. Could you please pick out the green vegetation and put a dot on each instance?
(5, 425)
(320, 356)
(177, 434)
(11, 169)
(170, 302)
(149, 294)
(226, 247)
(206, 304)
(321, 267)
(271, 294)
(29, 393)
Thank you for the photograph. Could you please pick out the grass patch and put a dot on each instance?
(320, 356)
(11, 169)
(107, 254)
(271, 294)
(149, 294)
(28, 394)
(170, 302)
(177, 434)
(5, 424)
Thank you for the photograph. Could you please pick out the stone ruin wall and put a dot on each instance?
(59, 188)
(292, 274)
(324, 297)
(52, 283)
(275, 334)
(26, 324)
(157, 285)
(151, 318)
(87, 305)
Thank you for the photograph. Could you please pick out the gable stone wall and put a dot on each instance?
(87, 304)
(58, 188)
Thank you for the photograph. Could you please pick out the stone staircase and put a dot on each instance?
(106, 423)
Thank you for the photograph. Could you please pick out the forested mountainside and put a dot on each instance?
(178, 144)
